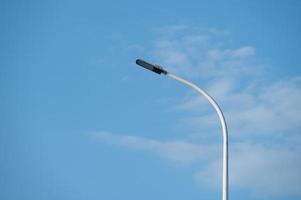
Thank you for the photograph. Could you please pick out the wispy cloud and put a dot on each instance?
(178, 151)
(203, 54)
(251, 112)
(252, 103)
(265, 170)
(262, 114)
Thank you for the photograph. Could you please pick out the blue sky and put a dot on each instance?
(80, 121)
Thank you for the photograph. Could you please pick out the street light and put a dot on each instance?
(159, 70)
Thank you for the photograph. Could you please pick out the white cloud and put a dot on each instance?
(253, 105)
(261, 110)
(240, 53)
(264, 170)
(178, 151)
(197, 54)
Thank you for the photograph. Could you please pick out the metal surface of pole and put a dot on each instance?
(159, 70)
(223, 124)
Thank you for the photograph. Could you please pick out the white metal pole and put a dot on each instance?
(159, 70)
(224, 128)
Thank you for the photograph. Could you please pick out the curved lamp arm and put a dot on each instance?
(223, 124)
(159, 70)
